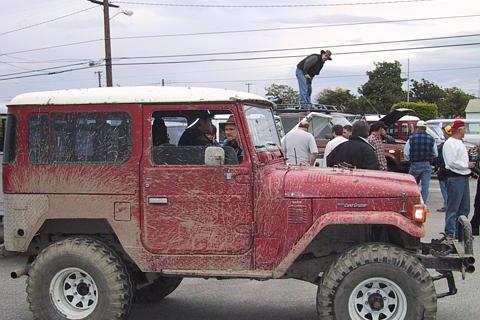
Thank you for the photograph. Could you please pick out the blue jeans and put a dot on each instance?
(443, 190)
(304, 88)
(422, 171)
(458, 203)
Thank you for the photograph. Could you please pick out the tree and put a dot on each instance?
(454, 103)
(384, 86)
(281, 94)
(426, 91)
(423, 110)
(341, 98)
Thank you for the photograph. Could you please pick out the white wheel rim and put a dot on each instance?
(74, 293)
(377, 299)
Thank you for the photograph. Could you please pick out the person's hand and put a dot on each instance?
(471, 165)
(307, 76)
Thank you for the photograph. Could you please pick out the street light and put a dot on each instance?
(106, 28)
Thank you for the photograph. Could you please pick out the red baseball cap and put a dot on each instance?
(457, 124)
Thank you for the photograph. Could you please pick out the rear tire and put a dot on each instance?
(376, 281)
(79, 278)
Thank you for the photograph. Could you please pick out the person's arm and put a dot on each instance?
(406, 151)
(313, 149)
(435, 150)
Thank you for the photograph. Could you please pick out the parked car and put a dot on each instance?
(472, 126)
(108, 213)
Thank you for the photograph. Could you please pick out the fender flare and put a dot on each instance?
(344, 217)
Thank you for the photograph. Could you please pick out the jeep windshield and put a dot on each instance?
(261, 125)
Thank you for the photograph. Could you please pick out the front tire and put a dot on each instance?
(79, 278)
(376, 282)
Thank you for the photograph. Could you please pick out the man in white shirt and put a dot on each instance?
(299, 145)
(458, 171)
(338, 138)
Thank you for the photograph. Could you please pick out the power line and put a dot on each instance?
(47, 21)
(322, 77)
(292, 56)
(238, 59)
(298, 48)
(270, 5)
(51, 73)
(244, 31)
(44, 69)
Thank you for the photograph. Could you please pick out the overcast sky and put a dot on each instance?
(347, 70)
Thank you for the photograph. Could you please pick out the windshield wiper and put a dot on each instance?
(261, 146)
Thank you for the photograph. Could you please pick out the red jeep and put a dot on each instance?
(113, 196)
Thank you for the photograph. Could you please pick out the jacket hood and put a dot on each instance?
(308, 182)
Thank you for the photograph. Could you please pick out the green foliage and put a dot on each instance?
(341, 98)
(423, 110)
(454, 103)
(384, 86)
(426, 91)
(281, 94)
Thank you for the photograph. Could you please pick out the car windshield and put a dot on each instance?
(473, 128)
(262, 128)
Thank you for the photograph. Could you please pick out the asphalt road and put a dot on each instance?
(248, 299)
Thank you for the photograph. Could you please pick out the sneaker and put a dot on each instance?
(442, 209)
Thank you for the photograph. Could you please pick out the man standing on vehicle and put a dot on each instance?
(420, 150)
(308, 68)
(377, 134)
(299, 145)
(338, 138)
(458, 168)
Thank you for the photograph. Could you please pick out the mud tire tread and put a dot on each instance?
(119, 288)
(369, 254)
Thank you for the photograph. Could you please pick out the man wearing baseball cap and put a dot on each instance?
(458, 171)
(308, 68)
(420, 150)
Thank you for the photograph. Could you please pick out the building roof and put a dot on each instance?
(473, 106)
(134, 95)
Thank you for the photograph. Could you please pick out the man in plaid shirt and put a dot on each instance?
(377, 133)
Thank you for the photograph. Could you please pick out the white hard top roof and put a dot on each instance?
(134, 95)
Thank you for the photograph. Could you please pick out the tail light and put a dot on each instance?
(419, 213)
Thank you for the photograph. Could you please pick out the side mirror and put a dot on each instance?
(214, 156)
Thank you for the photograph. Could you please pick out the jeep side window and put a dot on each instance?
(96, 137)
(10, 145)
(181, 137)
(38, 145)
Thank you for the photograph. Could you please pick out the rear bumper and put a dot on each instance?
(447, 256)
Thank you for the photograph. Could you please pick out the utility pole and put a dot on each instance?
(248, 84)
(99, 73)
(106, 29)
(163, 82)
(408, 80)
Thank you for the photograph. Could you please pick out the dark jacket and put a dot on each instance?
(311, 65)
(356, 152)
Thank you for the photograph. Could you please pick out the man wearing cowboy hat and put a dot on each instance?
(307, 69)
(458, 171)
(231, 134)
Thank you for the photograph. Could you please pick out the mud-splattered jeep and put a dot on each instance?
(117, 194)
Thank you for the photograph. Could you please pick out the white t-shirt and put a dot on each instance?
(456, 156)
(298, 145)
(332, 144)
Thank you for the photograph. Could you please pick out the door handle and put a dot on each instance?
(158, 200)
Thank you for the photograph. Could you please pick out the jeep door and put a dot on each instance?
(190, 208)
